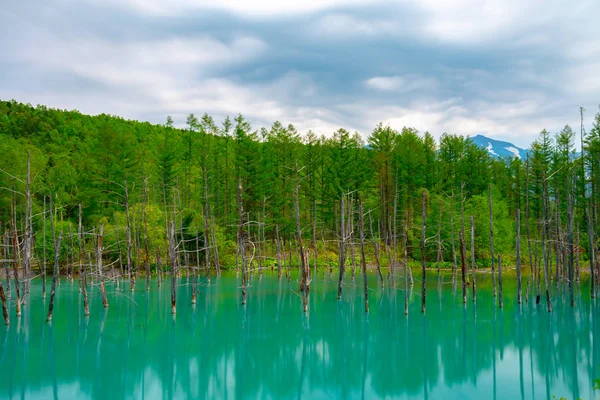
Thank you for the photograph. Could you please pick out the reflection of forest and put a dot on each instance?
(271, 349)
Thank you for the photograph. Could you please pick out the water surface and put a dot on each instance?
(270, 349)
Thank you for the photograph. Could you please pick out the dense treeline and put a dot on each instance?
(192, 177)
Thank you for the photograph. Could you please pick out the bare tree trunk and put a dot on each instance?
(43, 255)
(342, 249)
(173, 268)
(4, 309)
(500, 300)
(305, 283)
(146, 250)
(592, 240)
(195, 272)
(405, 268)
(474, 283)
(492, 241)
(82, 268)
(241, 245)
(518, 261)
(463, 265)
(56, 266)
(206, 244)
(278, 249)
(16, 272)
(121, 271)
(27, 238)
(424, 276)
(544, 244)
(130, 270)
(6, 241)
(571, 249)
(99, 265)
(363, 262)
(454, 260)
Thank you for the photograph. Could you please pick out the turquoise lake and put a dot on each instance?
(270, 349)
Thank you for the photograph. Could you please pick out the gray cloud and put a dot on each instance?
(503, 69)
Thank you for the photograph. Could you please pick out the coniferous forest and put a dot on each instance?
(108, 198)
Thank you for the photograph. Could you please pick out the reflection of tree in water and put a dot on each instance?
(220, 349)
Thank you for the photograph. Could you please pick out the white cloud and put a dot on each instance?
(241, 7)
(406, 83)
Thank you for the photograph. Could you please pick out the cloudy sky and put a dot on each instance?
(506, 69)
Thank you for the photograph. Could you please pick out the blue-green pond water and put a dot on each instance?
(270, 349)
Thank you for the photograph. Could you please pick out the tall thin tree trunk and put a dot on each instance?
(4, 309)
(173, 268)
(278, 249)
(492, 241)
(474, 283)
(6, 240)
(305, 282)
(195, 271)
(424, 276)
(82, 268)
(405, 267)
(454, 257)
(592, 239)
(342, 250)
(363, 262)
(130, 270)
(518, 261)
(16, 272)
(500, 300)
(241, 245)
(463, 265)
(145, 222)
(99, 249)
(544, 243)
(56, 266)
(44, 254)
(27, 238)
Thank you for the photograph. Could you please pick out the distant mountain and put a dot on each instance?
(498, 148)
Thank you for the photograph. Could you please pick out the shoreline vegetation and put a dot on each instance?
(100, 198)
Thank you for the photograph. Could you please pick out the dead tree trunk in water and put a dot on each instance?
(363, 261)
(474, 283)
(27, 238)
(342, 250)
(241, 246)
(173, 269)
(570, 209)
(544, 241)
(43, 255)
(304, 285)
(197, 269)
(206, 243)
(16, 272)
(424, 276)
(405, 268)
(492, 241)
(82, 268)
(454, 261)
(4, 309)
(56, 266)
(592, 240)
(99, 265)
(518, 261)
(463, 265)
(500, 300)
(278, 249)
(6, 241)
(128, 241)
(146, 251)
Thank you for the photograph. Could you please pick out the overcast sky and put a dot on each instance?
(506, 69)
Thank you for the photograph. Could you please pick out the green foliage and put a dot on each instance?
(194, 173)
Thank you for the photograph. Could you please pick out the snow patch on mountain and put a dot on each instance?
(513, 150)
